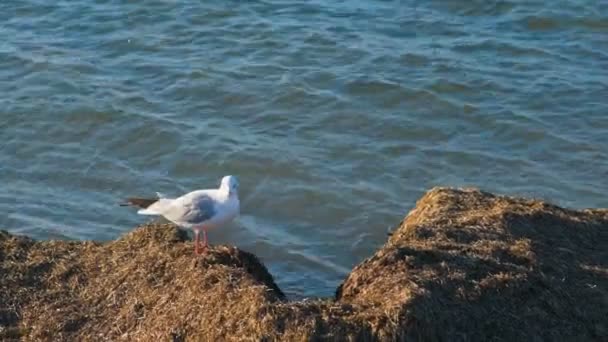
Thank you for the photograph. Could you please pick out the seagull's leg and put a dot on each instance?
(205, 236)
(196, 241)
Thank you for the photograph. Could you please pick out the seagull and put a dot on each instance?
(198, 210)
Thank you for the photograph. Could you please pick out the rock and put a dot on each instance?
(469, 265)
(463, 265)
(147, 284)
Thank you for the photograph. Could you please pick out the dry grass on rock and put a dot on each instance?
(463, 265)
(144, 285)
(469, 265)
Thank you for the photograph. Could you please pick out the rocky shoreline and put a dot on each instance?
(464, 265)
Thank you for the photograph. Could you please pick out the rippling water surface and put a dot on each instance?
(336, 115)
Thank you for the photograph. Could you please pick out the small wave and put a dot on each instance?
(444, 86)
(317, 261)
(502, 47)
(547, 23)
(477, 8)
(415, 60)
(542, 23)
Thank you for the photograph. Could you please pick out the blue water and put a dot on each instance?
(336, 116)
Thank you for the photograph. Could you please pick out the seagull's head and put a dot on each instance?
(231, 184)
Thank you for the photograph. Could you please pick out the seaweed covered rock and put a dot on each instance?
(145, 285)
(463, 265)
(469, 265)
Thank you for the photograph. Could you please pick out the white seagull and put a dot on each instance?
(197, 210)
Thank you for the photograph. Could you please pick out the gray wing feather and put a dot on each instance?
(197, 210)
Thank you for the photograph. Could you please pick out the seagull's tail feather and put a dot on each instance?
(143, 203)
(149, 206)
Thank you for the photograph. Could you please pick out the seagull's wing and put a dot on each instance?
(193, 208)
